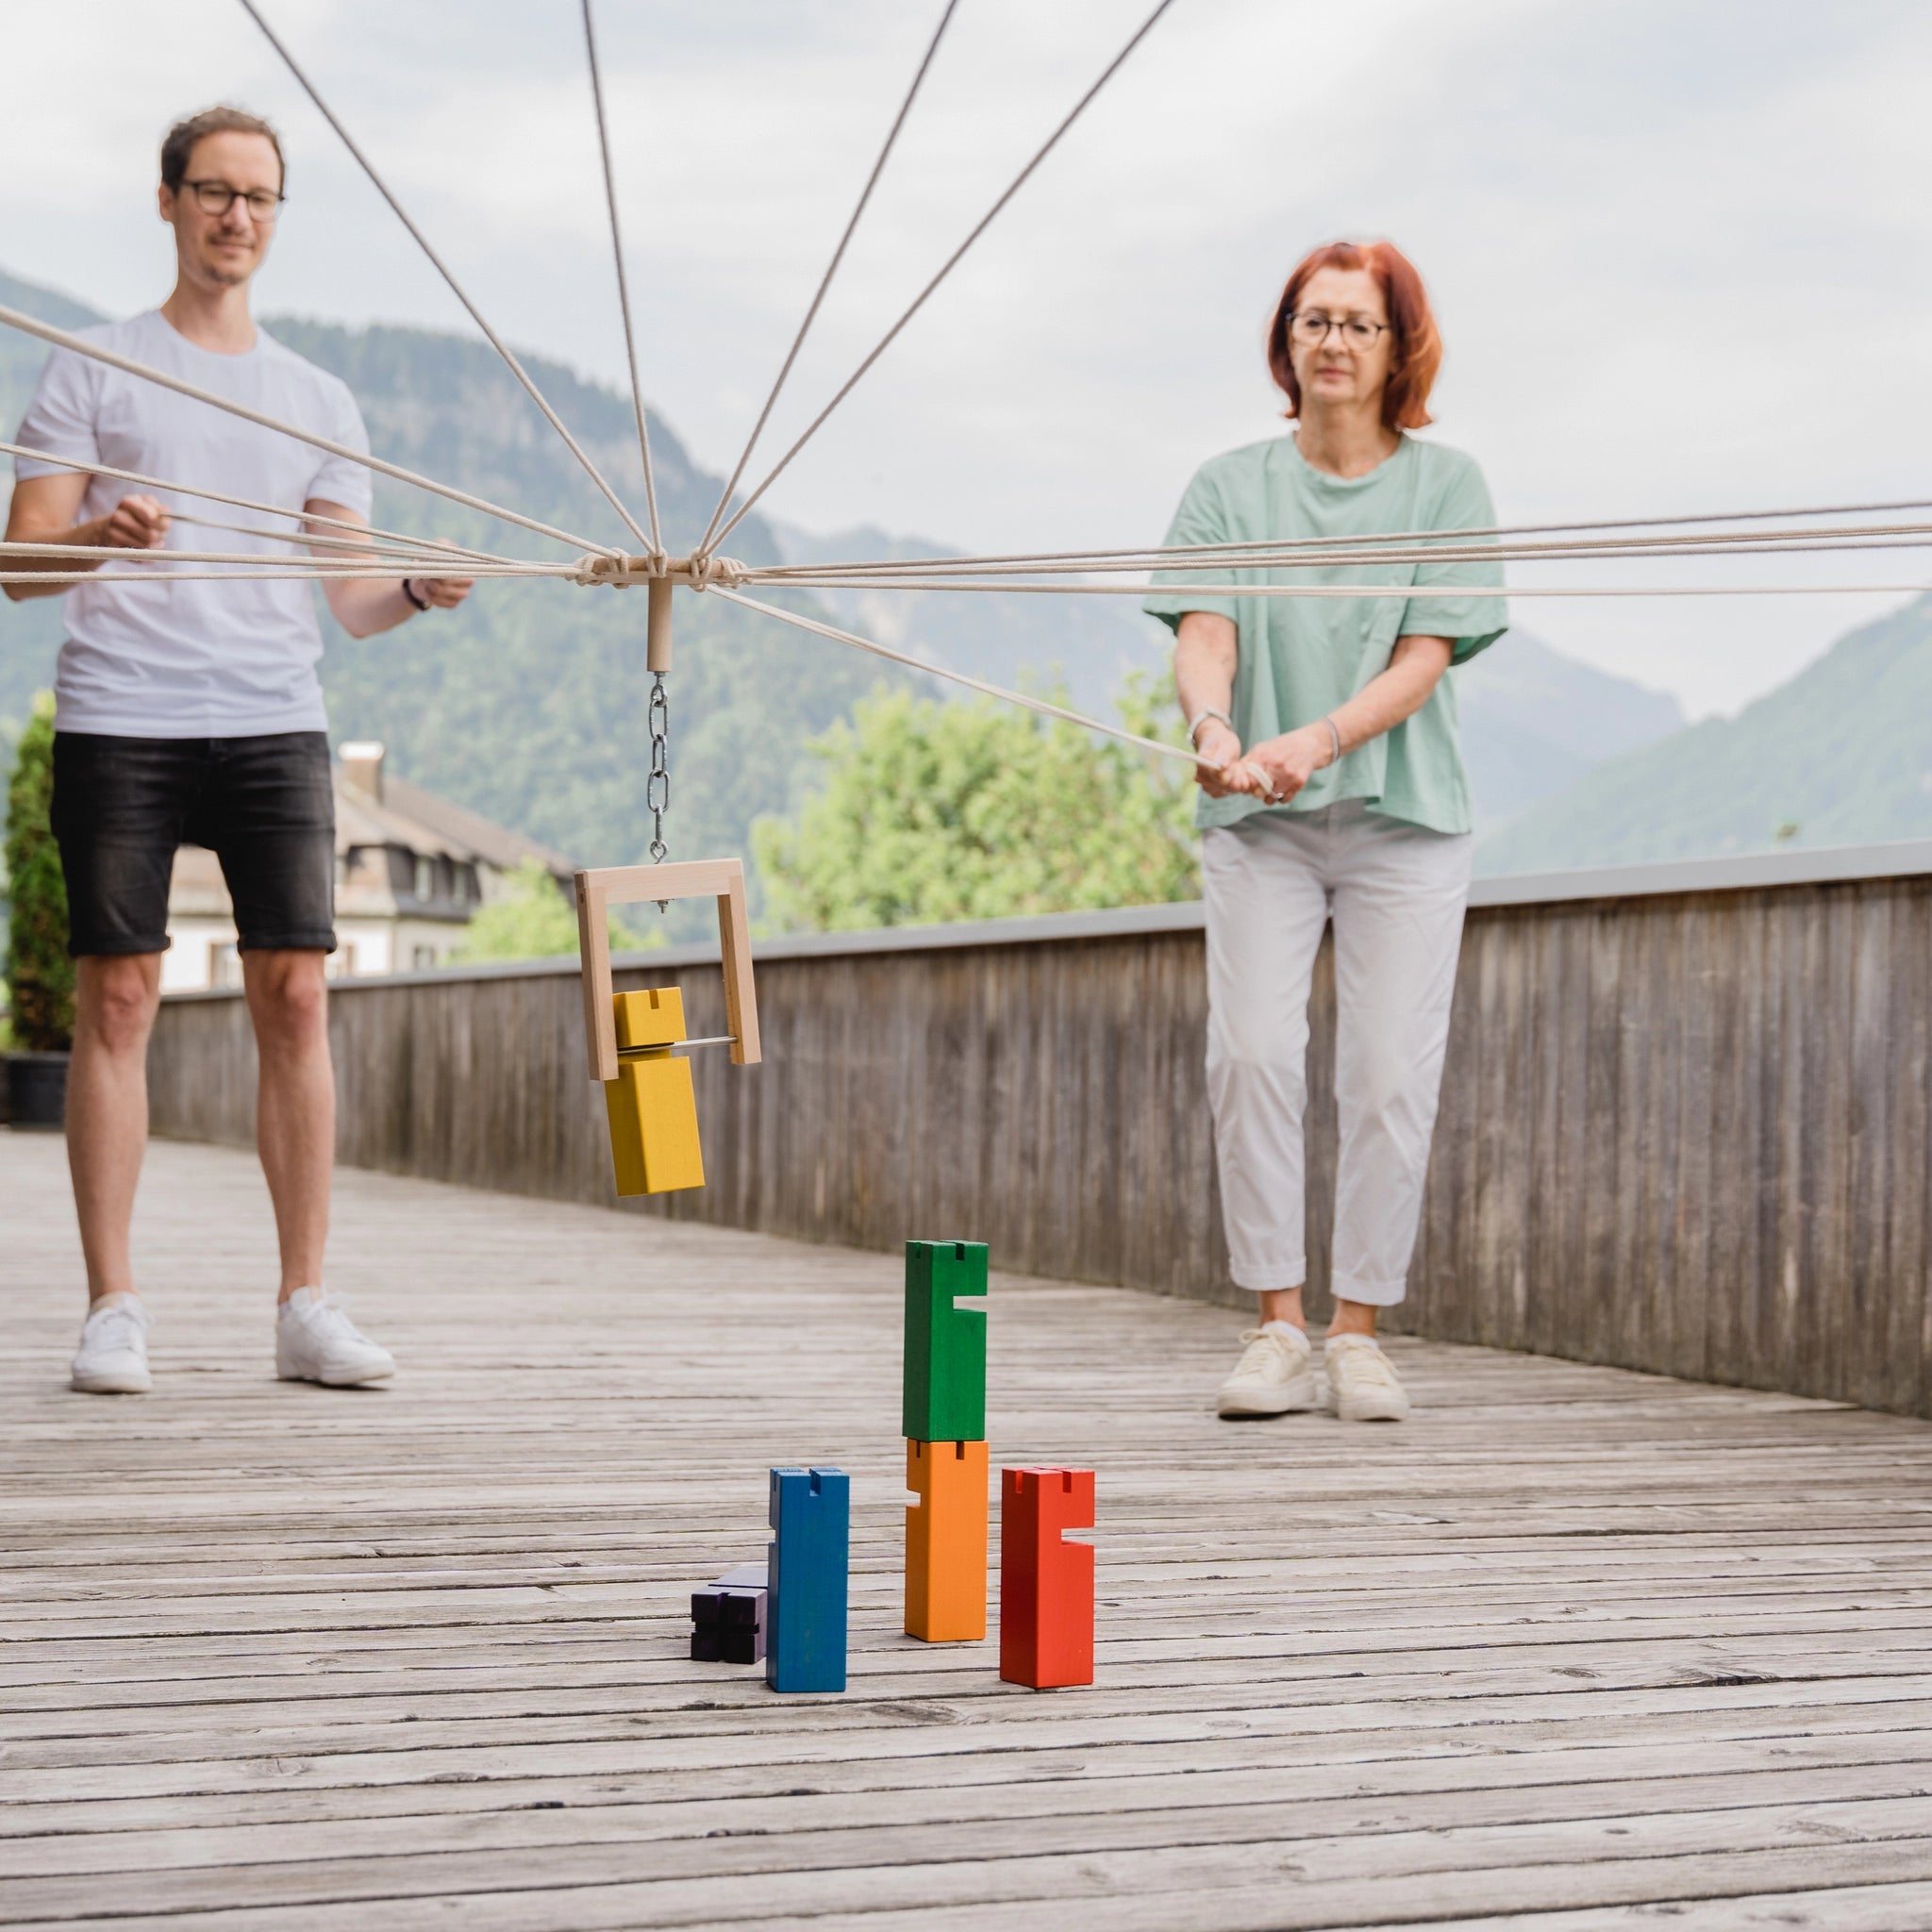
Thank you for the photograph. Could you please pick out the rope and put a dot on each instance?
(367, 546)
(1405, 591)
(1295, 556)
(630, 342)
(123, 554)
(494, 340)
(62, 340)
(307, 516)
(951, 262)
(992, 691)
(318, 574)
(1173, 555)
(825, 281)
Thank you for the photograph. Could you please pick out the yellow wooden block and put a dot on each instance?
(652, 1105)
(945, 1541)
(652, 1017)
(654, 1125)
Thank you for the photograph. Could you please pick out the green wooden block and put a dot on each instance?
(945, 1345)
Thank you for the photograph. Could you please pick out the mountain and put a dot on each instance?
(1535, 721)
(1086, 644)
(1839, 756)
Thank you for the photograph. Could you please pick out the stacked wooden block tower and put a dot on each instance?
(943, 1420)
(792, 1610)
(1046, 1583)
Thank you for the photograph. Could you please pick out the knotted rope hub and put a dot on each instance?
(693, 572)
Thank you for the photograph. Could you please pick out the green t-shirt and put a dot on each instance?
(1301, 656)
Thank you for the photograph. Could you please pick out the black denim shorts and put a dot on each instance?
(264, 805)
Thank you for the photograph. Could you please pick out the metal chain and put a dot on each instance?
(657, 786)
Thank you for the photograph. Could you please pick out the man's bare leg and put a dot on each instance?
(115, 999)
(295, 1114)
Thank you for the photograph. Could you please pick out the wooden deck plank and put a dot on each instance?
(1572, 1643)
(837, 1863)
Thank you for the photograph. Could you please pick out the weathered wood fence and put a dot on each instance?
(1685, 1122)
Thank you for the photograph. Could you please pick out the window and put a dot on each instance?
(423, 958)
(426, 878)
(341, 964)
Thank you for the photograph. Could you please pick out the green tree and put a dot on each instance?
(932, 813)
(39, 975)
(531, 920)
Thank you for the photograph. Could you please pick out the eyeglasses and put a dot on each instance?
(217, 198)
(1310, 327)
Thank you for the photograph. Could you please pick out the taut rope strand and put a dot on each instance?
(992, 691)
(825, 280)
(41, 456)
(496, 341)
(1407, 592)
(371, 546)
(61, 339)
(1175, 556)
(630, 341)
(951, 262)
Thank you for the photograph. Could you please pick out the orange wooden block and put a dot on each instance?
(945, 1541)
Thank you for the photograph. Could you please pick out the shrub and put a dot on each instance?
(932, 813)
(39, 975)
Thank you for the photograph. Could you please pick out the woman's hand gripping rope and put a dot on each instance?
(1221, 771)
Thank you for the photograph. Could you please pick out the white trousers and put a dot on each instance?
(1396, 893)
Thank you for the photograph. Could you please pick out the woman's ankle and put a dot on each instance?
(1353, 1318)
(1280, 1305)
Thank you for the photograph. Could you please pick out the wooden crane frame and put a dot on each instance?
(626, 885)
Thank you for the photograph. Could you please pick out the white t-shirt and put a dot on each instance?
(221, 660)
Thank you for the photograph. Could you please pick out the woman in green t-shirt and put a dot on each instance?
(1342, 795)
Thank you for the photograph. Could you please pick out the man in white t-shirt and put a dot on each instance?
(190, 712)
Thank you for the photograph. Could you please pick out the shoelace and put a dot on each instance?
(331, 1317)
(1263, 1352)
(115, 1327)
(1364, 1365)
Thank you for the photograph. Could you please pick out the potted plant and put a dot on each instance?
(39, 975)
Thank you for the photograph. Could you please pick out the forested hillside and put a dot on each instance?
(1088, 645)
(1840, 756)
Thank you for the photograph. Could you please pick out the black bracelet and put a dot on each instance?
(410, 591)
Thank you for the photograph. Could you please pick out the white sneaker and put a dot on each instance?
(1364, 1386)
(1275, 1375)
(112, 1359)
(315, 1341)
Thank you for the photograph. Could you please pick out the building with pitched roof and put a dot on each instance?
(411, 870)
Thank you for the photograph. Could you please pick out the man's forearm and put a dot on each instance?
(364, 606)
(90, 535)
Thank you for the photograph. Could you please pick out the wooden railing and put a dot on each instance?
(1686, 1118)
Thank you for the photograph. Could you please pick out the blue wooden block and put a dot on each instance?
(805, 1609)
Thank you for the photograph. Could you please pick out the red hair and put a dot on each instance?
(1418, 346)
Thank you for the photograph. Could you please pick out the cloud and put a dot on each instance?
(1679, 248)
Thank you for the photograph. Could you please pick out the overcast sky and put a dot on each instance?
(1678, 246)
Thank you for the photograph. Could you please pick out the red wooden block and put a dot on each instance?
(1046, 1583)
